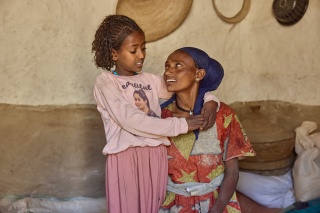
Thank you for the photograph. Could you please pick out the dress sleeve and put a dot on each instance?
(237, 144)
(111, 99)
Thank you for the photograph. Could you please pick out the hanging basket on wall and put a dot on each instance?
(157, 18)
(238, 17)
(289, 12)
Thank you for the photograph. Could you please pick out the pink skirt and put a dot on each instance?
(136, 180)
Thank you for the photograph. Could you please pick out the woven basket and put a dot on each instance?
(273, 146)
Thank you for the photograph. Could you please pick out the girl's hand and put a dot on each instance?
(194, 122)
(209, 111)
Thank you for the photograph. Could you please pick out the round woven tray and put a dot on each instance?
(273, 145)
(157, 18)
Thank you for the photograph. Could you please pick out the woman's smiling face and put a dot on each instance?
(180, 71)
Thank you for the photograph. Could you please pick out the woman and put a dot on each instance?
(142, 102)
(203, 166)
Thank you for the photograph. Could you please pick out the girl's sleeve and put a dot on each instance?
(162, 88)
(210, 97)
(119, 139)
(111, 99)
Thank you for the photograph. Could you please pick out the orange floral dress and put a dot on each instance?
(202, 160)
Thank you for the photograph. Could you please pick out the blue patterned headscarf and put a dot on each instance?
(210, 82)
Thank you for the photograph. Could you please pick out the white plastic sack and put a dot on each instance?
(50, 205)
(306, 169)
(269, 191)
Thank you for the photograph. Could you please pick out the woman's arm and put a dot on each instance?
(228, 185)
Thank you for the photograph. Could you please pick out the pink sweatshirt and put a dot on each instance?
(127, 126)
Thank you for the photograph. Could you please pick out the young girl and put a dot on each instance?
(136, 162)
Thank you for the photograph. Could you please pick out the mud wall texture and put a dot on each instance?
(46, 54)
(56, 151)
(51, 151)
(51, 135)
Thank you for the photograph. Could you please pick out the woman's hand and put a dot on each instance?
(194, 122)
(209, 111)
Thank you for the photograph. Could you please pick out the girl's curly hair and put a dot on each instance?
(110, 35)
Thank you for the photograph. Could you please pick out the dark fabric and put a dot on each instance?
(211, 81)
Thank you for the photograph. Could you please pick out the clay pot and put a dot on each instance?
(273, 146)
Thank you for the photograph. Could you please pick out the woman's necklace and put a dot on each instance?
(184, 110)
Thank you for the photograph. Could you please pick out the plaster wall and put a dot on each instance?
(46, 58)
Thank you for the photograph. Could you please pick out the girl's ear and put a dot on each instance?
(200, 73)
(114, 55)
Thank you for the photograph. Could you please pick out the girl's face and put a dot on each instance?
(139, 102)
(129, 58)
(180, 72)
